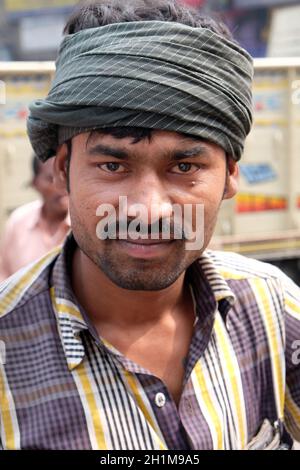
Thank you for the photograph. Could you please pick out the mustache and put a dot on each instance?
(159, 229)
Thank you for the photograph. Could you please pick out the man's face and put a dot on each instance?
(166, 169)
(55, 199)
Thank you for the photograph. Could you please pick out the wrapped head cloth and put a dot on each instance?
(152, 74)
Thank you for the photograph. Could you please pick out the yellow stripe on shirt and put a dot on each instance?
(92, 409)
(233, 379)
(273, 337)
(16, 289)
(208, 406)
(10, 434)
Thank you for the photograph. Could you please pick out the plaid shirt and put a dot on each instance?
(64, 387)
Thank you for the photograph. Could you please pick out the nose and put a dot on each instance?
(150, 197)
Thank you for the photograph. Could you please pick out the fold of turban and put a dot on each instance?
(152, 74)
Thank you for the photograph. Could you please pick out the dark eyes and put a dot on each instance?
(111, 167)
(184, 167)
(180, 168)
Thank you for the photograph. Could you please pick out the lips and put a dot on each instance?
(146, 249)
(148, 241)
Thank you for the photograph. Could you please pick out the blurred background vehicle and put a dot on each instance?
(32, 29)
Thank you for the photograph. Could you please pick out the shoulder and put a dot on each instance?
(26, 209)
(268, 282)
(238, 267)
(23, 214)
(18, 290)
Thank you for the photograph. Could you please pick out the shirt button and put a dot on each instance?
(160, 400)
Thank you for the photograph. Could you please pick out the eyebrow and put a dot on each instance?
(198, 151)
(105, 150)
(100, 149)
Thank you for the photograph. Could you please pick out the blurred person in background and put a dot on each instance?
(35, 228)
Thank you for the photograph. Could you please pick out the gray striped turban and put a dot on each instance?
(152, 74)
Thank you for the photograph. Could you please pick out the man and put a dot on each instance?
(134, 342)
(37, 227)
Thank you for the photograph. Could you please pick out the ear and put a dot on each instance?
(60, 168)
(231, 179)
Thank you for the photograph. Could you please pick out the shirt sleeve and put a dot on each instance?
(292, 356)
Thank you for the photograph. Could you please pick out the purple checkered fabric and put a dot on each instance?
(64, 387)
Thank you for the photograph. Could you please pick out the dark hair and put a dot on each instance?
(91, 14)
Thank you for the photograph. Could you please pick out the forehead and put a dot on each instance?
(159, 140)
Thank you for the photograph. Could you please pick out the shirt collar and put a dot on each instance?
(210, 292)
(68, 312)
(212, 276)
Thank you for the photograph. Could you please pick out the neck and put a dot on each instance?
(50, 216)
(106, 302)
